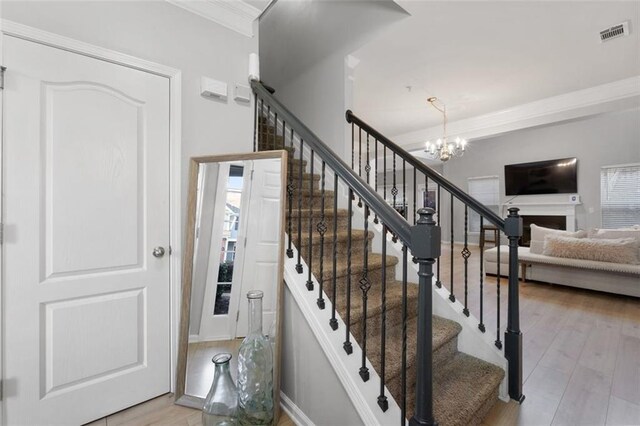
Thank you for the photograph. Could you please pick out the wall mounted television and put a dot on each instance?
(542, 177)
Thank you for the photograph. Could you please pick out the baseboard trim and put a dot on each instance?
(295, 414)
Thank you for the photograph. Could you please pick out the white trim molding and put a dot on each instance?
(233, 14)
(617, 95)
(296, 415)
(174, 75)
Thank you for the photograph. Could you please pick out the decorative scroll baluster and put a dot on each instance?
(348, 348)
(452, 296)
(333, 322)
(498, 342)
(322, 228)
(383, 403)
(403, 376)
(438, 282)
(465, 255)
(290, 188)
(365, 285)
(310, 229)
(367, 167)
(481, 326)
(300, 186)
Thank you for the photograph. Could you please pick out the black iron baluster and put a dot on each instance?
(375, 177)
(403, 402)
(365, 285)
(465, 255)
(498, 342)
(383, 403)
(266, 129)
(255, 124)
(275, 131)
(481, 326)
(333, 322)
(415, 183)
(310, 228)
(322, 228)
(405, 213)
(359, 160)
(394, 192)
(452, 296)
(384, 176)
(347, 343)
(290, 188)
(353, 146)
(438, 282)
(367, 167)
(300, 185)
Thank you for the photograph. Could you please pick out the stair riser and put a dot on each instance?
(374, 321)
(328, 221)
(374, 275)
(357, 249)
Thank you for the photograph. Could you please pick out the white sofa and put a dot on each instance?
(537, 264)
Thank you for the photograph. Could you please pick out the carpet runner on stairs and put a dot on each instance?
(465, 388)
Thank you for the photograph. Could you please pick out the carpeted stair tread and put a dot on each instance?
(341, 238)
(444, 331)
(317, 213)
(357, 266)
(461, 389)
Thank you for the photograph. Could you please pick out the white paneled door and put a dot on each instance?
(86, 186)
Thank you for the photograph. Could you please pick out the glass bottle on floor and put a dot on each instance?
(221, 405)
(255, 369)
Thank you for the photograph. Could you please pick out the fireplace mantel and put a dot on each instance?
(546, 208)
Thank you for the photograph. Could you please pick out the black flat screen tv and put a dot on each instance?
(542, 177)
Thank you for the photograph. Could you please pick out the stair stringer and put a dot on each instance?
(470, 340)
(363, 395)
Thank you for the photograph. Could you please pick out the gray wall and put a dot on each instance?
(163, 33)
(303, 46)
(595, 141)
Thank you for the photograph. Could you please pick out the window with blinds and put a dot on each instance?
(620, 195)
(486, 190)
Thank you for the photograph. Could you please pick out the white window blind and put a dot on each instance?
(620, 195)
(486, 190)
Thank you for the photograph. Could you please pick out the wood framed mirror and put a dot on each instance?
(234, 243)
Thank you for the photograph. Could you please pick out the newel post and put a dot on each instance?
(425, 247)
(513, 336)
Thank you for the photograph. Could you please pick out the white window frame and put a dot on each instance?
(630, 201)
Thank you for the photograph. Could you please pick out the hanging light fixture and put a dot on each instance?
(443, 149)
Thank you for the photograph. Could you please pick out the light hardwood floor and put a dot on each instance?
(581, 356)
(161, 411)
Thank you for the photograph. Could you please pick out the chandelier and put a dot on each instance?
(443, 149)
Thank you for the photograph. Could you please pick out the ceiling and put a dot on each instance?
(480, 57)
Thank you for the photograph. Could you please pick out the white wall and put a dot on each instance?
(303, 46)
(163, 33)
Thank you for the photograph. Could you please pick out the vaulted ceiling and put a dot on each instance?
(480, 57)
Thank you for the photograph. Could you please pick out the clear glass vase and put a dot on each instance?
(221, 405)
(255, 369)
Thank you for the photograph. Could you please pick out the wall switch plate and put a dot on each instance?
(211, 88)
(242, 93)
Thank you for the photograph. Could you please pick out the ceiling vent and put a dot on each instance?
(616, 31)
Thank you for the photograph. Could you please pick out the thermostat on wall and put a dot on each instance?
(574, 199)
(213, 88)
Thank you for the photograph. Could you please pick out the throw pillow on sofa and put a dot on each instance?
(616, 233)
(619, 250)
(538, 233)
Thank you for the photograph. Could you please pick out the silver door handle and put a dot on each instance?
(158, 251)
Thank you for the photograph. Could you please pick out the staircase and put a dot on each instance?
(379, 311)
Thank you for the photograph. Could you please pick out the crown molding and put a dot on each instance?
(618, 95)
(233, 14)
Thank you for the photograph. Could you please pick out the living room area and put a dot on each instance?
(542, 111)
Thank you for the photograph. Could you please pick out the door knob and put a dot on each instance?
(158, 251)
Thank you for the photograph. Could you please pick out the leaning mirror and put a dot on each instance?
(234, 244)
